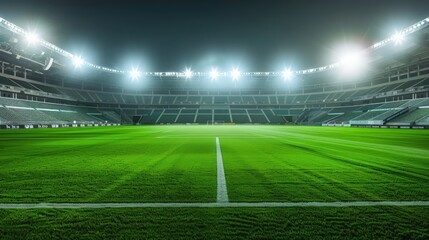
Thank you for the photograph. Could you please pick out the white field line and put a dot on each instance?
(229, 136)
(250, 136)
(222, 194)
(214, 205)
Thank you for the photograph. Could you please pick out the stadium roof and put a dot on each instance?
(33, 39)
(69, 57)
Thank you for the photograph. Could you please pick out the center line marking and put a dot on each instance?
(222, 194)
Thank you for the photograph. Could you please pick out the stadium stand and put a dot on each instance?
(395, 93)
(13, 111)
(416, 115)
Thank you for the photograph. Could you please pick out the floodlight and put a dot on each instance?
(135, 73)
(351, 59)
(78, 61)
(214, 74)
(32, 38)
(188, 73)
(353, 62)
(398, 38)
(287, 74)
(235, 74)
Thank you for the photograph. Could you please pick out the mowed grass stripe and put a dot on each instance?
(385, 222)
(262, 164)
(256, 169)
(89, 168)
(300, 167)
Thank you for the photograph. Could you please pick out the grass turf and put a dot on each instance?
(178, 164)
(105, 165)
(327, 164)
(220, 223)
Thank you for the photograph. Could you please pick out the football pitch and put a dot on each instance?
(184, 182)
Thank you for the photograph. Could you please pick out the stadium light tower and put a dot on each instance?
(235, 74)
(287, 74)
(188, 73)
(135, 73)
(214, 74)
(78, 61)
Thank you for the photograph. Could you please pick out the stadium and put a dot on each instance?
(333, 151)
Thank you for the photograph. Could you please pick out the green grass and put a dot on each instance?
(219, 223)
(105, 165)
(178, 164)
(327, 164)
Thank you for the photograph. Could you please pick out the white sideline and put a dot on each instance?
(213, 205)
(222, 194)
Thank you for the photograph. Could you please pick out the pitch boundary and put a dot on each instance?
(213, 205)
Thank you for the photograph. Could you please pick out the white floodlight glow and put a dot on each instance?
(398, 38)
(235, 74)
(351, 59)
(78, 61)
(32, 38)
(287, 74)
(188, 73)
(135, 73)
(214, 74)
(353, 63)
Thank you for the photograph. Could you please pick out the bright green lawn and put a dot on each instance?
(178, 164)
(217, 223)
(105, 165)
(327, 164)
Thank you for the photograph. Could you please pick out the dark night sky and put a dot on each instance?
(169, 35)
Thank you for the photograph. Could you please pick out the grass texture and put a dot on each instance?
(178, 164)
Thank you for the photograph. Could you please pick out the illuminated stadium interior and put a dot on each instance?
(382, 85)
(98, 143)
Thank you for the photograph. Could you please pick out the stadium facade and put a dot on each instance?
(40, 88)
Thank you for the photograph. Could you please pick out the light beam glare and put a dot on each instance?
(135, 74)
(214, 74)
(287, 74)
(32, 38)
(235, 74)
(398, 38)
(78, 61)
(188, 73)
